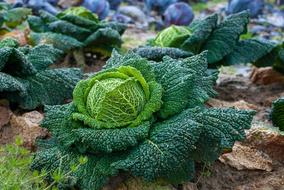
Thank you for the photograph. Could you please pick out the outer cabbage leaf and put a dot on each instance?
(48, 87)
(157, 53)
(277, 113)
(198, 134)
(201, 30)
(59, 41)
(15, 16)
(249, 51)
(224, 38)
(221, 128)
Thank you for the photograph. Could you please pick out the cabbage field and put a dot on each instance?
(142, 95)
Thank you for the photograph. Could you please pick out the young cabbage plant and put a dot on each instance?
(143, 117)
(277, 113)
(220, 39)
(74, 31)
(26, 80)
(11, 17)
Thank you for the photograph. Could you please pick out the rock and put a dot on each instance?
(25, 126)
(5, 114)
(20, 36)
(190, 186)
(244, 157)
(266, 75)
(267, 140)
(241, 104)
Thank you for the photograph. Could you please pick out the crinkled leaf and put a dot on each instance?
(201, 30)
(166, 152)
(10, 84)
(224, 38)
(47, 87)
(16, 16)
(59, 41)
(248, 51)
(69, 29)
(221, 128)
(157, 53)
(42, 56)
(277, 113)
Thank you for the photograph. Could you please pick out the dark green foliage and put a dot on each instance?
(157, 53)
(278, 113)
(164, 147)
(249, 50)
(26, 80)
(221, 38)
(68, 32)
(274, 58)
(12, 17)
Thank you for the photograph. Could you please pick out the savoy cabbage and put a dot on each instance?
(12, 17)
(220, 38)
(143, 117)
(25, 78)
(75, 28)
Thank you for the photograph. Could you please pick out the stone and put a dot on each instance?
(247, 158)
(266, 75)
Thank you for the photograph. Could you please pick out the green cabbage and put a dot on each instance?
(115, 99)
(172, 36)
(142, 117)
(79, 11)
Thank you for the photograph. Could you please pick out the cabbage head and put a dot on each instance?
(118, 98)
(141, 117)
(172, 36)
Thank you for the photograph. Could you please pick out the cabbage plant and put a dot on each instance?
(11, 17)
(76, 30)
(222, 40)
(26, 80)
(142, 117)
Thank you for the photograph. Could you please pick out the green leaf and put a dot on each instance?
(16, 16)
(59, 41)
(80, 12)
(14, 62)
(10, 84)
(224, 38)
(249, 51)
(221, 128)
(167, 153)
(201, 30)
(157, 53)
(47, 87)
(277, 113)
(42, 56)
(172, 36)
(69, 29)
(177, 82)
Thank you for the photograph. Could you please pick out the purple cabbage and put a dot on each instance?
(114, 4)
(121, 18)
(255, 7)
(178, 14)
(158, 5)
(100, 7)
(37, 5)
